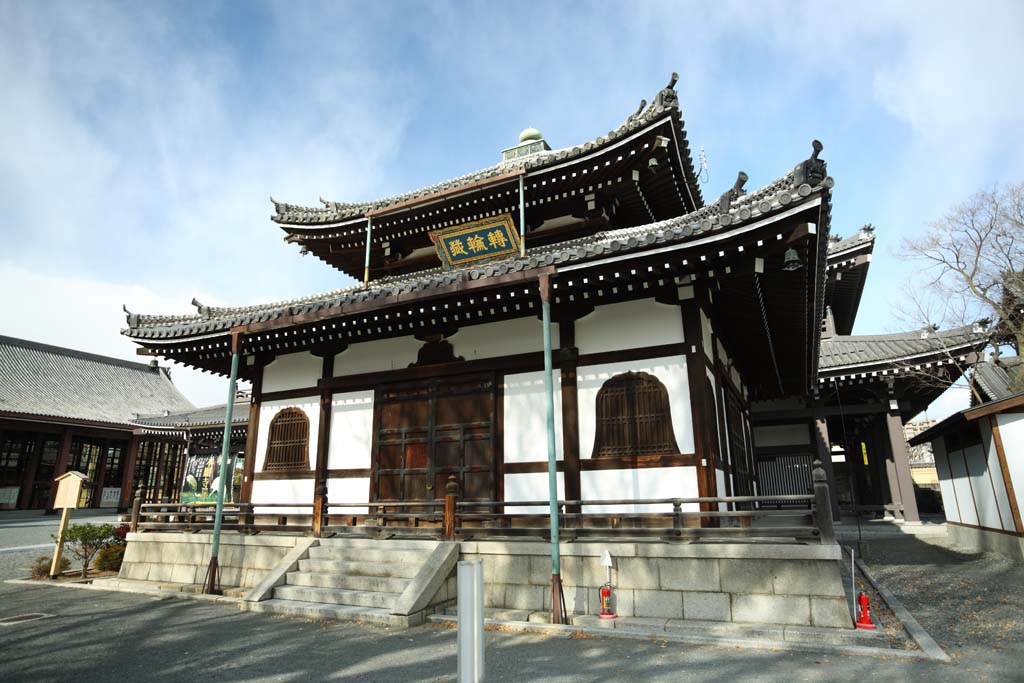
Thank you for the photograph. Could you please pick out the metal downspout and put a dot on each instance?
(213, 572)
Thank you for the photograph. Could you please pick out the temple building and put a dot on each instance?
(63, 410)
(694, 359)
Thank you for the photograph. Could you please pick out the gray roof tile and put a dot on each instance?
(39, 379)
(993, 377)
(845, 351)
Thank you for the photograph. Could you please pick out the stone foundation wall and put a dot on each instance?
(184, 558)
(751, 583)
(1009, 545)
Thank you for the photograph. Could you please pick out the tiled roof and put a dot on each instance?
(993, 378)
(333, 212)
(864, 236)
(776, 197)
(846, 351)
(38, 379)
(200, 417)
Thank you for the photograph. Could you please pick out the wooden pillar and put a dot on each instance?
(901, 465)
(824, 444)
(568, 357)
(251, 434)
(323, 448)
(61, 466)
(128, 473)
(101, 473)
(28, 477)
(696, 369)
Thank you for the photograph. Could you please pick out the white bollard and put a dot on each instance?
(470, 653)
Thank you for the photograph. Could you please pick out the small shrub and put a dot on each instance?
(85, 540)
(121, 533)
(41, 567)
(109, 559)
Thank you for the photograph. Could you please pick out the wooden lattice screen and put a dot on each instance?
(288, 444)
(633, 417)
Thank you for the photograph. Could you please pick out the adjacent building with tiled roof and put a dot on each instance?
(64, 410)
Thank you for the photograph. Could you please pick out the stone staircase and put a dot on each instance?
(351, 579)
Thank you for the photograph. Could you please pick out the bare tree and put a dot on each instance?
(973, 267)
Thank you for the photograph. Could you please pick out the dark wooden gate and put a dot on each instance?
(427, 431)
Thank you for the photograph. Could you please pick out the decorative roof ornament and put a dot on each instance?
(929, 330)
(835, 238)
(636, 115)
(668, 96)
(867, 232)
(733, 193)
(203, 310)
(813, 171)
(131, 318)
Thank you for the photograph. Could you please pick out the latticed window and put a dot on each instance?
(633, 417)
(288, 445)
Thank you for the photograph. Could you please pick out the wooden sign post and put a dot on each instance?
(69, 490)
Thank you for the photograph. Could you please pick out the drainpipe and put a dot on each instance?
(213, 572)
(549, 396)
(522, 215)
(366, 262)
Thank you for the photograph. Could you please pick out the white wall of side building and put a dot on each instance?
(293, 371)
(1011, 429)
(629, 325)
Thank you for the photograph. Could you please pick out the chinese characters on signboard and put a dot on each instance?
(471, 242)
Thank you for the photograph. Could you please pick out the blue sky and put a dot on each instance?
(141, 141)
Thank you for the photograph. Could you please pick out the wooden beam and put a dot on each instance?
(251, 435)
(570, 411)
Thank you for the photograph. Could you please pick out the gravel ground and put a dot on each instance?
(970, 603)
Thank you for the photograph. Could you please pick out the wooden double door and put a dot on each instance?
(428, 431)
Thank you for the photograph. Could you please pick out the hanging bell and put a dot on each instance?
(791, 260)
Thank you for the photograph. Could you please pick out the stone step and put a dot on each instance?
(308, 610)
(336, 596)
(345, 554)
(386, 544)
(375, 584)
(405, 570)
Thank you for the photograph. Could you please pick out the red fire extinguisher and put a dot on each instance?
(606, 602)
(864, 620)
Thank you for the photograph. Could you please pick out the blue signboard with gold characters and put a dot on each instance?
(488, 238)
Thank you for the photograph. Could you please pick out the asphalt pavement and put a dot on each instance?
(97, 636)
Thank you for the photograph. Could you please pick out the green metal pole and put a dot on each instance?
(549, 397)
(522, 215)
(366, 262)
(212, 578)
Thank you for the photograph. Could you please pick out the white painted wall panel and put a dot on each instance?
(705, 329)
(670, 371)
(283, 491)
(1011, 429)
(629, 325)
(981, 486)
(525, 412)
(655, 482)
(962, 487)
(782, 435)
(294, 371)
(720, 482)
(949, 501)
(351, 430)
(355, 490)
(383, 354)
(531, 486)
(995, 473)
(310, 406)
(508, 337)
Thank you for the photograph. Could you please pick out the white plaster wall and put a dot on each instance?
(720, 482)
(310, 406)
(294, 371)
(531, 486)
(949, 501)
(981, 486)
(671, 371)
(962, 487)
(505, 338)
(654, 482)
(705, 329)
(995, 474)
(351, 430)
(354, 490)
(1011, 429)
(376, 356)
(629, 325)
(283, 491)
(782, 435)
(525, 414)
(723, 447)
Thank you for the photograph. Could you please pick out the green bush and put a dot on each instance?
(85, 540)
(41, 567)
(110, 558)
